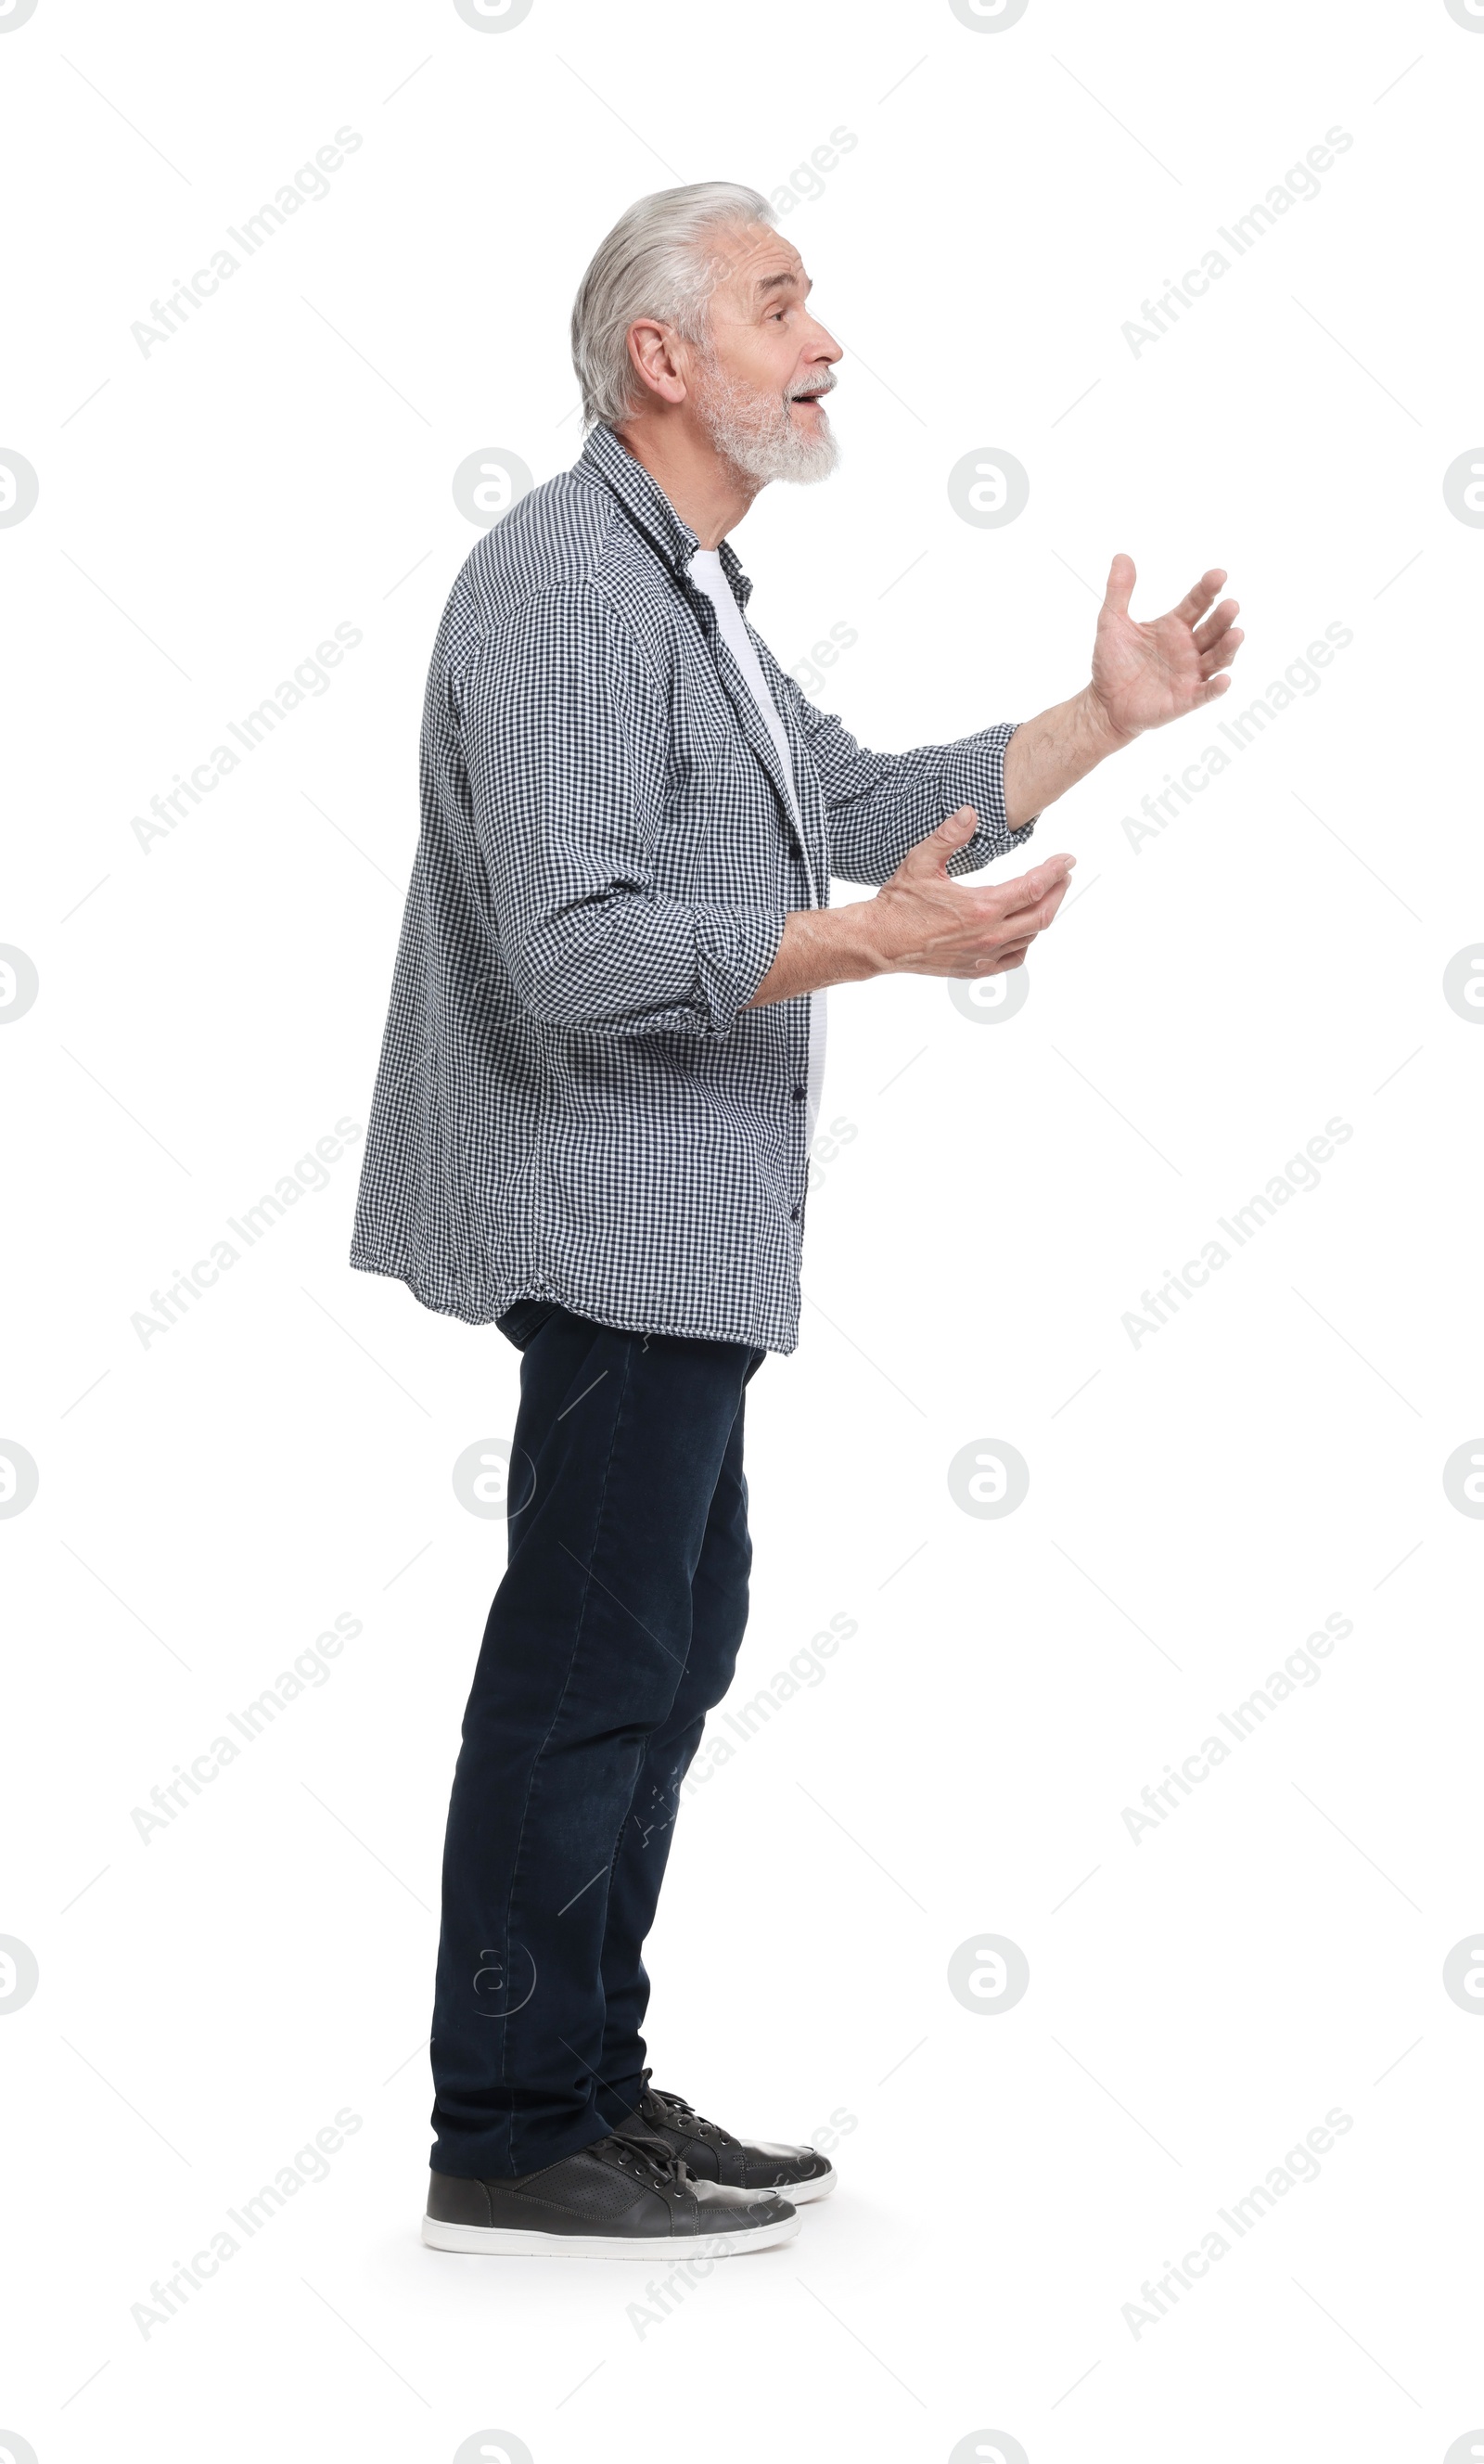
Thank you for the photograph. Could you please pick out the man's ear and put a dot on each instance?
(656, 355)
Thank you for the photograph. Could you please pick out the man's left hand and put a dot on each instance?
(1145, 675)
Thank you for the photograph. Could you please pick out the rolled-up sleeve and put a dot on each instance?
(879, 805)
(565, 735)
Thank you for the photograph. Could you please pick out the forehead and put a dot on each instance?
(754, 263)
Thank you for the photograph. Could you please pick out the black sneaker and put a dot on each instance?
(627, 2197)
(711, 2154)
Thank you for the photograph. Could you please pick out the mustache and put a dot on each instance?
(815, 387)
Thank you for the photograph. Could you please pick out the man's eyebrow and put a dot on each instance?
(782, 282)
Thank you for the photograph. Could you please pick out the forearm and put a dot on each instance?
(1048, 755)
(822, 946)
(919, 923)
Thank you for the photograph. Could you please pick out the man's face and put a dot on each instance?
(758, 388)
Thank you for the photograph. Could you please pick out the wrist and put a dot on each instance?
(862, 940)
(1096, 728)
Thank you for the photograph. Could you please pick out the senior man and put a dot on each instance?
(591, 1127)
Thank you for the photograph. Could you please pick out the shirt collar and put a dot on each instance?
(647, 506)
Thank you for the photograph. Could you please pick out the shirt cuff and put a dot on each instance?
(975, 773)
(736, 946)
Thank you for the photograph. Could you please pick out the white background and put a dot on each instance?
(1198, 1503)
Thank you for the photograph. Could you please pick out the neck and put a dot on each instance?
(709, 493)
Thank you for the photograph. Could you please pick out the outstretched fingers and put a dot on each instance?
(1222, 652)
(1216, 624)
(1198, 598)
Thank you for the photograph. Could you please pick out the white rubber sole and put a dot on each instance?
(501, 2242)
(798, 2194)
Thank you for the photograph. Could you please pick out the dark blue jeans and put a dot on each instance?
(614, 1632)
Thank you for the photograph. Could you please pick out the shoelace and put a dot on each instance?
(657, 2104)
(652, 2159)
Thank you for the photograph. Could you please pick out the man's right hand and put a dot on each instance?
(925, 924)
(920, 923)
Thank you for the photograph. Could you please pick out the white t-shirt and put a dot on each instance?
(705, 569)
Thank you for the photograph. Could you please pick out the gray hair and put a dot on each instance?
(651, 264)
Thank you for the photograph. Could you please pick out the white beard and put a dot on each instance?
(755, 432)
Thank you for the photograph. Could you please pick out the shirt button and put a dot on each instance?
(799, 1093)
(793, 1214)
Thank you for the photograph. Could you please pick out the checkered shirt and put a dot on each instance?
(574, 1102)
